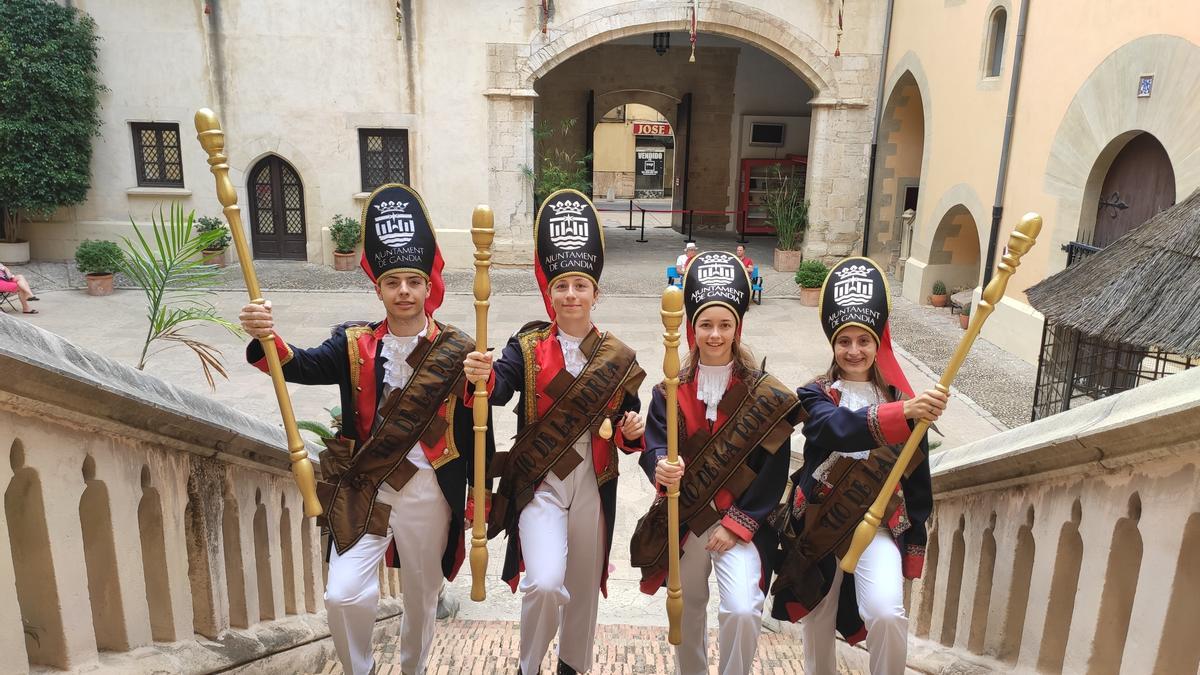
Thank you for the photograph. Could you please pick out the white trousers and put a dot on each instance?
(879, 590)
(419, 522)
(739, 617)
(562, 546)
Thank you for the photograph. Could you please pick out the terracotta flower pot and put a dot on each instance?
(939, 300)
(787, 261)
(214, 257)
(810, 297)
(964, 320)
(344, 262)
(99, 284)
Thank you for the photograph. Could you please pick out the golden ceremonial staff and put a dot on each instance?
(672, 316)
(481, 234)
(208, 131)
(1019, 243)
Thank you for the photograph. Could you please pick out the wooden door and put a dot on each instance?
(277, 211)
(1141, 179)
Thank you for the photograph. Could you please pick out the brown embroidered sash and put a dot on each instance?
(409, 416)
(549, 443)
(759, 415)
(829, 520)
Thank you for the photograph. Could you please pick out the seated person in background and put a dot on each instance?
(682, 261)
(16, 283)
(741, 254)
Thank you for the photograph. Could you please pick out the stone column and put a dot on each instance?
(12, 633)
(837, 178)
(206, 563)
(61, 488)
(510, 153)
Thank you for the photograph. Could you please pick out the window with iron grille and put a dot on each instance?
(156, 153)
(383, 154)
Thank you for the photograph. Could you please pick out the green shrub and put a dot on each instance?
(49, 108)
(939, 288)
(787, 210)
(556, 168)
(966, 310)
(98, 257)
(346, 233)
(811, 274)
(210, 224)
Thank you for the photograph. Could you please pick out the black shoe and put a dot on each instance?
(564, 669)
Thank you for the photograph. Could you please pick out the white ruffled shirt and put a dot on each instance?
(574, 361)
(396, 373)
(855, 396)
(573, 357)
(711, 382)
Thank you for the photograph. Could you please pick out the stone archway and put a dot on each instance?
(1135, 180)
(954, 254)
(899, 165)
(626, 163)
(840, 127)
(1084, 140)
(941, 242)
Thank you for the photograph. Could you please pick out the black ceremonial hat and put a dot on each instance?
(715, 278)
(855, 294)
(567, 239)
(398, 237)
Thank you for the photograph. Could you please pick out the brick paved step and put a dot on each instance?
(479, 647)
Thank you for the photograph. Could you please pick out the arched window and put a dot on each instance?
(995, 44)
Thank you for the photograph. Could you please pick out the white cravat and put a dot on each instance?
(396, 372)
(711, 382)
(573, 357)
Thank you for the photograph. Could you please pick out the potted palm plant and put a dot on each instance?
(939, 297)
(98, 260)
(787, 211)
(964, 317)
(346, 233)
(216, 253)
(810, 275)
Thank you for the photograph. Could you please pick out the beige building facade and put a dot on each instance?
(1105, 104)
(320, 106)
(320, 103)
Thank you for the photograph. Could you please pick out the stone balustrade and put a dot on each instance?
(147, 528)
(1069, 545)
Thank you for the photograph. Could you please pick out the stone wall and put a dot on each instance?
(146, 527)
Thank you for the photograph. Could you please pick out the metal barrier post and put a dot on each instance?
(741, 215)
(642, 238)
(630, 226)
(691, 225)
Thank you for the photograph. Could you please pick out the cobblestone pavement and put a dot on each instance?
(492, 647)
(634, 268)
(999, 382)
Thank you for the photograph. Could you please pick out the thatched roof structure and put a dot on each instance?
(1142, 290)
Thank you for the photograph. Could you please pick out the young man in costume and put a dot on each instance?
(558, 484)
(393, 482)
(858, 415)
(735, 424)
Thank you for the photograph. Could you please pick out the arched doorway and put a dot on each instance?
(954, 256)
(743, 104)
(1139, 183)
(277, 225)
(897, 180)
(633, 153)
